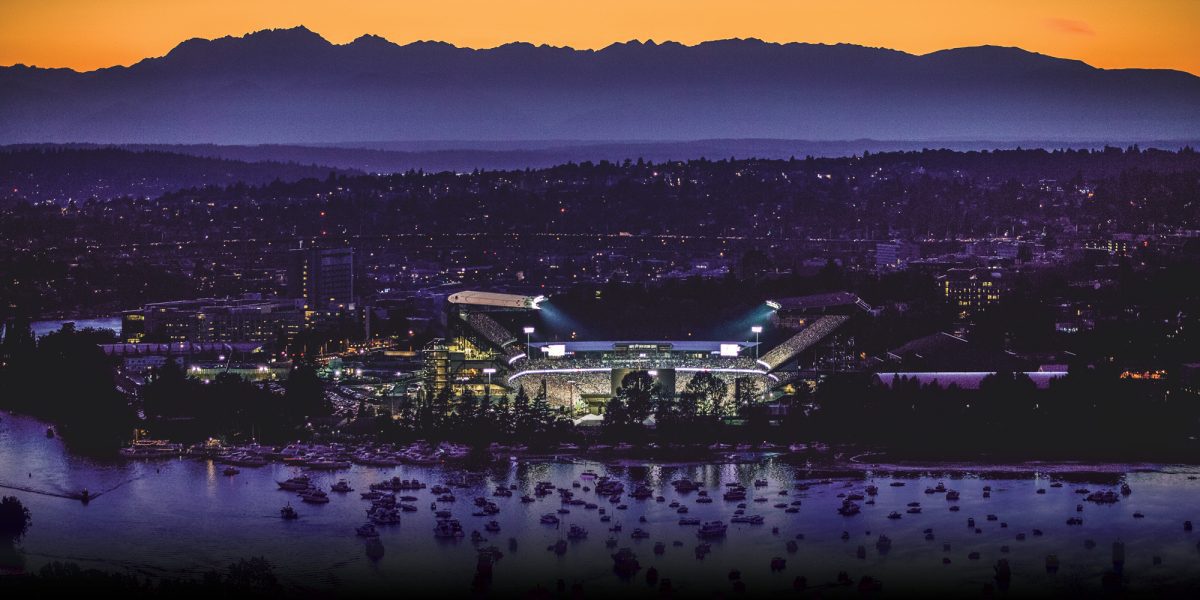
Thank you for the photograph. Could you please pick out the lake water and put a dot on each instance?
(183, 516)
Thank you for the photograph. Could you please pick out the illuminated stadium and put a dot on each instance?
(493, 346)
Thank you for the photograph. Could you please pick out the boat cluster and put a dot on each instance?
(393, 496)
(327, 457)
(335, 456)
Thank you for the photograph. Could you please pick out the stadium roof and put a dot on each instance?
(945, 352)
(496, 300)
(676, 345)
(819, 302)
(967, 380)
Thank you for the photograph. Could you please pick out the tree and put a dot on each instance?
(637, 393)
(666, 411)
(688, 406)
(168, 392)
(468, 409)
(520, 411)
(615, 414)
(709, 391)
(541, 415)
(14, 519)
(502, 414)
(91, 414)
(746, 392)
(304, 393)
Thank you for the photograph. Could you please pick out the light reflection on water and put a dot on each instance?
(185, 516)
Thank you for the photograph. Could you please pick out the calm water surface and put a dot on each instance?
(183, 516)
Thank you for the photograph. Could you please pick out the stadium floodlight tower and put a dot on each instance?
(757, 329)
(528, 352)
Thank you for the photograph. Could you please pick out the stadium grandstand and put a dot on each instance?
(812, 332)
(581, 373)
(180, 348)
(477, 347)
(489, 349)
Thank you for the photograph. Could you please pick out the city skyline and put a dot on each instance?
(86, 36)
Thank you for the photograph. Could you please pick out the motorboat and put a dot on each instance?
(314, 496)
(323, 464)
(712, 529)
(296, 484)
(384, 516)
(735, 494)
(287, 512)
(748, 519)
(448, 528)
(625, 563)
(342, 487)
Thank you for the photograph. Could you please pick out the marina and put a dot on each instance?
(475, 524)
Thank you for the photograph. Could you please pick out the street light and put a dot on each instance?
(528, 332)
(757, 329)
(489, 372)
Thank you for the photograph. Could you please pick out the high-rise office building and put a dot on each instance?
(324, 278)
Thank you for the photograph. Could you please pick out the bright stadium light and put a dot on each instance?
(774, 305)
(528, 332)
(757, 329)
(489, 372)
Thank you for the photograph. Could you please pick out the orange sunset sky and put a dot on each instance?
(88, 34)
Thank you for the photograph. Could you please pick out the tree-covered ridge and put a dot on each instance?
(64, 173)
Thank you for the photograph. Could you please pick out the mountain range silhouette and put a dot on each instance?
(292, 86)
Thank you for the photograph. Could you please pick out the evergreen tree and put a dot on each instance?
(520, 412)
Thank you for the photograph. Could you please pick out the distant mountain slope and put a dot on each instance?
(44, 173)
(292, 86)
(465, 156)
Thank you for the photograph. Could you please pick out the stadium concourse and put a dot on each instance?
(488, 351)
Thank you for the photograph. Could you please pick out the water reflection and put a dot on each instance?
(186, 516)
